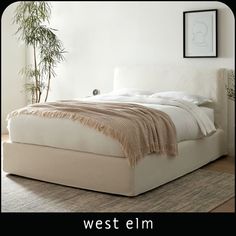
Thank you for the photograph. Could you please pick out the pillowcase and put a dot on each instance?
(196, 99)
(131, 92)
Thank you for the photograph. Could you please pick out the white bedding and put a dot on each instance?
(205, 124)
(67, 134)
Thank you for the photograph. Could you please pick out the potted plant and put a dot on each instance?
(231, 85)
(47, 50)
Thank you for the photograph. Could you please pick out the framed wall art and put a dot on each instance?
(200, 33)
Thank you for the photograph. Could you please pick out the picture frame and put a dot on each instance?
(200, 34)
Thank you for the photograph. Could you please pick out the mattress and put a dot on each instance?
(71, 135)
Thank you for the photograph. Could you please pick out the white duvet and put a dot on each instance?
(191, 122)
(205, 124)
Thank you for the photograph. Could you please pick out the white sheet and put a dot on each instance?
(67, 134)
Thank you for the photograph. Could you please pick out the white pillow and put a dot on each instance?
(196, 99)
(131, 92)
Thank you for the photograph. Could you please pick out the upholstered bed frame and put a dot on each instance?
(114, 174)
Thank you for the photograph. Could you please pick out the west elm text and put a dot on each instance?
(114, 224)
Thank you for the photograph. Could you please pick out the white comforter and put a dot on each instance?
(205, 124)
(191, 122)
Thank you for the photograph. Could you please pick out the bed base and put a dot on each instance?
(108, 173)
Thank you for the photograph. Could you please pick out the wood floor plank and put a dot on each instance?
(223, 164)
(228, 206)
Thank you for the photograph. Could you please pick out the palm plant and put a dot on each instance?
(47, 49)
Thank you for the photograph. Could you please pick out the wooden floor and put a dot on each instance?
(223, 164)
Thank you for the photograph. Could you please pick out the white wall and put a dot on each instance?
(12, 60)
(102, 35)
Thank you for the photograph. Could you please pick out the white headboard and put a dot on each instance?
(202, 81)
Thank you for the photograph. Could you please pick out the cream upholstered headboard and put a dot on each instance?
(201, 81)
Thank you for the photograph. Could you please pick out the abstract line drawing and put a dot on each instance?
(200, 31)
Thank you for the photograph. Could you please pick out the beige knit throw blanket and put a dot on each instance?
(139, 130)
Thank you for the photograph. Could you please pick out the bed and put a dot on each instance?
(75, 161)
